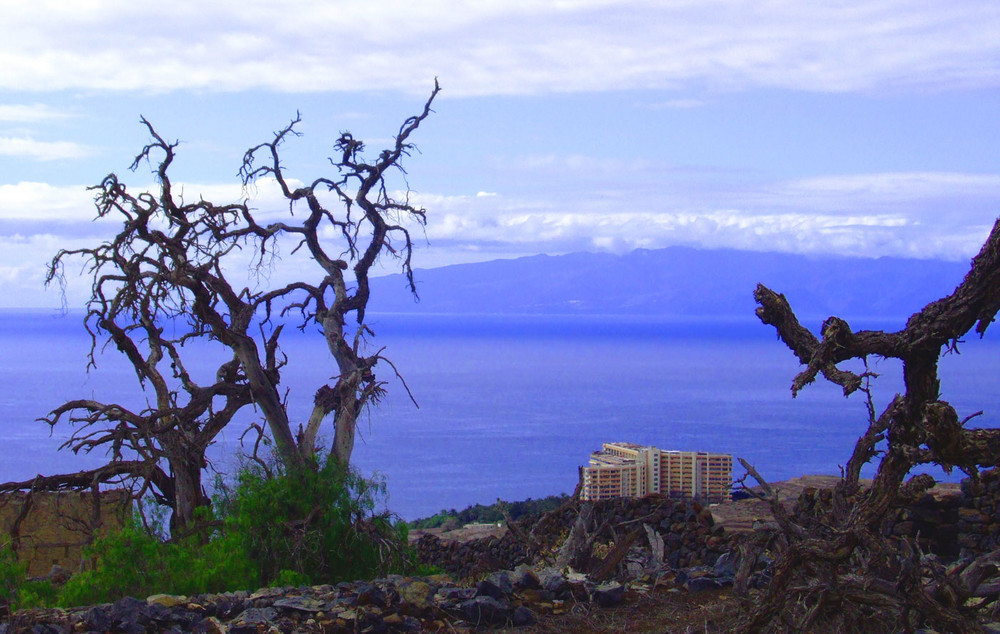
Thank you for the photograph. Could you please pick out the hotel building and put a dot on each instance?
(622, 469)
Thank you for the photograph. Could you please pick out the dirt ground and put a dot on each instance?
(664, 611)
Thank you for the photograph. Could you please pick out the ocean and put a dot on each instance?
(510, 407)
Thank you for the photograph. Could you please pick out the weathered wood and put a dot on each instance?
(615, 556)
(655, 542)
(844, 554)
(577, 537)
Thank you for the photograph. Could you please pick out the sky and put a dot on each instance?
(831, 127)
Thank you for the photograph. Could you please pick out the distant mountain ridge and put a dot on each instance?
(674, 282)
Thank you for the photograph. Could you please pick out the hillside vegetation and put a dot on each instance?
(480, 514)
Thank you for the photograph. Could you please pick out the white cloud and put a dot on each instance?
(899, 214)
(493, 47)
(34, 113)
(27, 147)
(920, 214)
(45, 203)
(41, 202)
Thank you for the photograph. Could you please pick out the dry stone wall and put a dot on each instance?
(57, 525)
(932, 521)
(948, 525)
(688, 532)
(978, 528)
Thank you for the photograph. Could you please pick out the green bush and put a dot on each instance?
(135, 561)
(12, 576)
(320, 524)
(17, 591)
(303, 528)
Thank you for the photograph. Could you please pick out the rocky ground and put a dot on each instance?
(652, 597)
(522, 600)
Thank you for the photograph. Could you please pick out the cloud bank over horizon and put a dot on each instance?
(829, 128)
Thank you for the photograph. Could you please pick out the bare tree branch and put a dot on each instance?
(843, 554)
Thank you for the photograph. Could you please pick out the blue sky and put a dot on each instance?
(825, 127)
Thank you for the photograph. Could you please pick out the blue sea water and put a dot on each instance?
(511, 406)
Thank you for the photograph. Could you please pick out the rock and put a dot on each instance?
(267, 593)
(725, 565)
(416, 596)
(700, 584)
(503, 581)
(371, 622)
(255, 616)
(553, 581)
(302, 604)
(486, 588)
(456, 594)
(608, 594)
(524, 578)
(227, 607)
(393, 620)
(347, 615)
(48, 629)
(576, 589)
(485, 610)
(370, 594)
(97, 619)
(166, 600)
(126, 615)
(211, 625)
(971, 515)
(535, 595)
(522, 617)
(400, 623)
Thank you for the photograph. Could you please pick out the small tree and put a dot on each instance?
(840, 570)
(166, 280)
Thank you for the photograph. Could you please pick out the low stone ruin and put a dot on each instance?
(978, 527)
(682, 533)
(51, 528)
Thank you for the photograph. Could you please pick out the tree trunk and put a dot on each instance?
(189, 495)
(345, 425)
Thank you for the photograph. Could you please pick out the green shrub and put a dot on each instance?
(319, 523)
(135, 561)
(12, 576)
(17, 591)
(303, 528)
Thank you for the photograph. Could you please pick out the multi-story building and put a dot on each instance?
(621, 469)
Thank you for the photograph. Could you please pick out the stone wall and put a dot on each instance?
(690, 537)
(58, 524)
(932, 521)
(979, 518)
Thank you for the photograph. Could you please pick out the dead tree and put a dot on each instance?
(842, 567)
(166, 281)
(341, 293)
